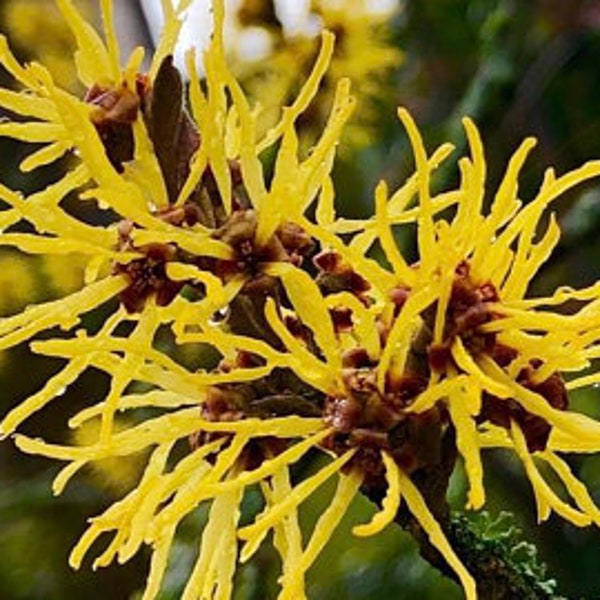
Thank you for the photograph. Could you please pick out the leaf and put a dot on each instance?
(173, 133)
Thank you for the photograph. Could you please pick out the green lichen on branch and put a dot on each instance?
(503, 564)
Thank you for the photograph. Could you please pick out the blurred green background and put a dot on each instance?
(518, 69)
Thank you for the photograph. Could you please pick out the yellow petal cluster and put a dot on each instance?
(449, 343)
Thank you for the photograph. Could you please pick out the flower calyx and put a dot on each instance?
(371, 421)
(289, 244)
(471, 305)
(115, 111)
(337, 276)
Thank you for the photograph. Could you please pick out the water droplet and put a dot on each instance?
(219, 316)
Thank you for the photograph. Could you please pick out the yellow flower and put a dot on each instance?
(363, 419)
(447, 341)
(501, 355)
(153, 245)
(461, 344)
(114, 474)
(377, 366)
(63, 277)
(17, 286)
(363, 54)
(197, 234)
(17, 283)
(44, 107)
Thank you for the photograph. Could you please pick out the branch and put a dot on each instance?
(503, 566)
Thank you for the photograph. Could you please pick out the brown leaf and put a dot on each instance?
(173, 133)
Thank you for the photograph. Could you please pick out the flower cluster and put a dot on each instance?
(390, 368)
(363, 53)
(37, 25)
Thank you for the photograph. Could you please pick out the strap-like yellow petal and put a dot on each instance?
(390, 504)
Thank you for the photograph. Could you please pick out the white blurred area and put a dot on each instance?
(195, 31)
(252, 43)
(247, 43)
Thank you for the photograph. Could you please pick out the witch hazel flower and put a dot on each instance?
(389, 369)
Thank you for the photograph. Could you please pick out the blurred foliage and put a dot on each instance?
(518, 68)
